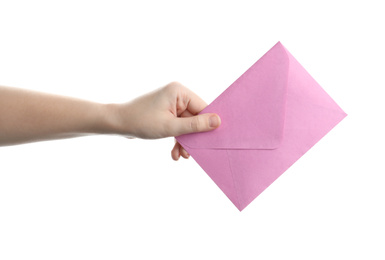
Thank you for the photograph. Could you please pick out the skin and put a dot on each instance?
(29, 116)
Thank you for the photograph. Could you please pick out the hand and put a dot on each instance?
(29, 116)
(168, 111)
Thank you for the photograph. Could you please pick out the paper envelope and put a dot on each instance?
(271, 116)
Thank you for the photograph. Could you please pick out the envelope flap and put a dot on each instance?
(252, 109)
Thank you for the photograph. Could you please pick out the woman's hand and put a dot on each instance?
(169, 111)
(29, 116)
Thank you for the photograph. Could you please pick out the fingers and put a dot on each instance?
(188, 121)
(178, 151)
(200, 123)
(195, 104)
(175, 154)
(186, 113)
(184, 153)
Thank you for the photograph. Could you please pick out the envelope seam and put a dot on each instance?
(234, 182)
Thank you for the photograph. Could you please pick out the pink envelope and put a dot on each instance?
(271, 115)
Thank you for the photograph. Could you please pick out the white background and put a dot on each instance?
(106, 197)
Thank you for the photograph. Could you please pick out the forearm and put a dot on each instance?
(28, 116)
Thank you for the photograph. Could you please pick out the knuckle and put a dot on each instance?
(171, 88)
(175, 83)
(172, 85)
(195, 124)
(168, 88)
(198, 124)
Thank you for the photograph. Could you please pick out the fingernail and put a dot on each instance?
(213, 121)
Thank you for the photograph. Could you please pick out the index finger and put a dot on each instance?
(195, 104)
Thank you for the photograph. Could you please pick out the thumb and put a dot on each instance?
(199, 123)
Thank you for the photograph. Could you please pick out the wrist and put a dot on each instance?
(108, 121)
(113, 120)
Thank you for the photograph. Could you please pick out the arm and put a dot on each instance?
(28, 116)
